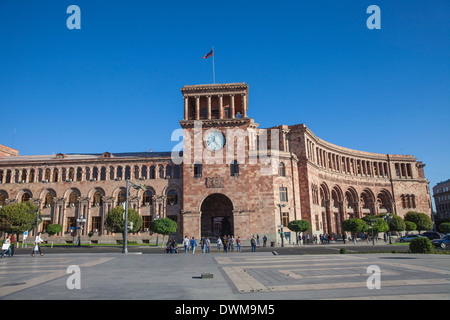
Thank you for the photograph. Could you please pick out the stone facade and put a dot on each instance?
(232, 177)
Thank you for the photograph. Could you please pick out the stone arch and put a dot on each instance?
(217, 215)
(384, 201)
(367, 201)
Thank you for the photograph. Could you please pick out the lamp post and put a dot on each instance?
(281, 221)
(81, 221)
(125, 217)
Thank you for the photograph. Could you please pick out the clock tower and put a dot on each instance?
(215, 160)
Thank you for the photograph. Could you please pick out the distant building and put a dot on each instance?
(441, 194)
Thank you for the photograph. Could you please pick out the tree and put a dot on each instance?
(164, 226)
(422, 221)
(354, 225)
(376, 225)
(299, 226)
(397, 224)
(114, 220)
(410, 226)
(18, 217)
(421, 245)
(53, 229)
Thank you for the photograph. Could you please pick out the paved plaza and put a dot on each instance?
(236, 276)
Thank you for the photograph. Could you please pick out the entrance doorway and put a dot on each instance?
(217, 216)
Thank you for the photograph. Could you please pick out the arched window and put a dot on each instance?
(127, 173)
(234, 168)
(147, 198)
(79, 174)
(103, 174)
(144, 172)
(281, 170)
(119, 172)
(25, 197)
(48, 202)
(122, 197)
(97, 199)
(152, 172)
(73, 199)
(172, 197)
(3, 197)
(168, 172)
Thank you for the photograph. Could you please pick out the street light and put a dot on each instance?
(125, 218)
(81, 221)
(281, 220)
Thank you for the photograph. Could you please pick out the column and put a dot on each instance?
(209, 107)
(221, 110)
(244, 105)
(197, 107)
(186, 108)
(232, 111)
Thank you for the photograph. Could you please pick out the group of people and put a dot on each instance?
(10, 241)
(227, 243)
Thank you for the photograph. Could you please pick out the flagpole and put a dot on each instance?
(214, 71)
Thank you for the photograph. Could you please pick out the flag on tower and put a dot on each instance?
(209, 54)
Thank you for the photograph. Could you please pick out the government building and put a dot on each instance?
(226, 176)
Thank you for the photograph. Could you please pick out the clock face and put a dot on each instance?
(215, 141)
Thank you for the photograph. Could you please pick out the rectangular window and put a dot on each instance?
(145, 223)
(283, 194)
(285, 219)
(96, 223)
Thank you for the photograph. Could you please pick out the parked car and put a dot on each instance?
(409, 237)
(442, 242)
(432, 235)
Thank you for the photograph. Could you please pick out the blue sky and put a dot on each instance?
(114, 85)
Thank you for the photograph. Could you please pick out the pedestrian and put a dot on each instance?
(169, 246)
(186, 244)
(208, 245)
(6, 247)
(315, 239)
(344, 237)
(225, 244)
(193, 244)
(307, 239)
(257, 239)
(232, 243)
(253, 242)
(238, 244)
(13, 241)
(264, 240)
(303, 238)
(219, 243)
(37, 245)
(203, 244)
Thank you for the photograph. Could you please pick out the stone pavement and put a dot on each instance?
(244, 276)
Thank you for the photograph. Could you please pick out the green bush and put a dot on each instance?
(421, 245)
(444, 227)
(343, 251)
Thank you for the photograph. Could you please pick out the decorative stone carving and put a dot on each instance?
(214, 182)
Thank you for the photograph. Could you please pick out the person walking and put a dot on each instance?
(257, 239)
(264, 240)
(203, 244)
(13, 242)
(37, 245)
(225, 244)
(193, 244)
(232, 243)
(6, 247)
(186, 244)
(253, 243)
